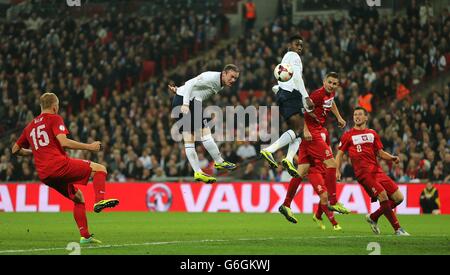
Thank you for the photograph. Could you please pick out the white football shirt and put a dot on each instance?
(200, 87)
(296, 82)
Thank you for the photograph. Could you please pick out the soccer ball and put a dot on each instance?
(283, 72)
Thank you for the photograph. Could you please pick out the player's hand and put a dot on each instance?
(309, 103)
(185, 109)
(172, 88)
(96, 146)
(338, 174)
(307, 134)
(396, 159)
(341, 123)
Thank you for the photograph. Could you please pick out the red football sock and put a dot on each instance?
(377, 214)
(79, 213)
(99, 185)
(292, 190)
(390, 215)
(319, 212)
(393, 204)
(328, 213)
(330, 181)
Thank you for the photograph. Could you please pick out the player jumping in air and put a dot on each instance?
(314, 145)
(46, 136)
(363, 146)
(290, 97)
(190, 97)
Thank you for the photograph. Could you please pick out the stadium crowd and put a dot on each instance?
(95, 66)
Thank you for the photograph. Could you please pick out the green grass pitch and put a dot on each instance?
(217, 233)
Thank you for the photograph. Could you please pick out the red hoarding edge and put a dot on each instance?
(195, 197)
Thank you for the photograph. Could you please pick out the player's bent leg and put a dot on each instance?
(295, 122)
(99, 183)
(213, 150)
(397, 198)
(385, 206)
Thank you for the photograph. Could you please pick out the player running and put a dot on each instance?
(364, 145)
(314, 145)
(290, 97)
(190, 97)
(46, 135)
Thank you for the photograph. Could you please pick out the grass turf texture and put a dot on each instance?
(217, 233)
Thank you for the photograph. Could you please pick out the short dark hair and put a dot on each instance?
(295, 37)
(231, 67)
(332, 74)
(361, 108)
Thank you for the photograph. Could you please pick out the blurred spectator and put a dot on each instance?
(265, 173)
(249, 172)
(159, 175)
(246, 150)
(249, 14)
(429, 200)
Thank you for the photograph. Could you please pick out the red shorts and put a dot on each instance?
(375, 183)
(318, 148)
(76, 171)
(318, 182)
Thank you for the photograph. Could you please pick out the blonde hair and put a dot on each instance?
(47, 100)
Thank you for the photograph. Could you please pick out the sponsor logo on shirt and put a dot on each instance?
(363, 138)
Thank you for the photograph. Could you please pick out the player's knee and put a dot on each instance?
(98, 168)
(382, 196)
(78, 198)
(398, 197)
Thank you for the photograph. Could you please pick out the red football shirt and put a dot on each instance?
(40, 135)
(362, 147)
(323, 102)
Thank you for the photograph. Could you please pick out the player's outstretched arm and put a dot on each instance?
(339, 156)
(335, 110)
(17, 150)
(75, 145)
(386, 156)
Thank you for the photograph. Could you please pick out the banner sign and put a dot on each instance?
(198, 197)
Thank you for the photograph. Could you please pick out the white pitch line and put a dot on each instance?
(213, 241)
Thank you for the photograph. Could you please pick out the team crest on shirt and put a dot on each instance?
(327, 152)
(62, 128)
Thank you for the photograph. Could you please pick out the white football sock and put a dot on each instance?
(293, 148)
(192, 156)
(286, 138)
(212, 148)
